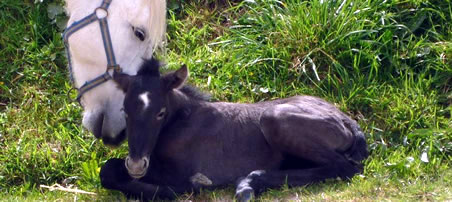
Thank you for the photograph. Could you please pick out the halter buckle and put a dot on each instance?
(70, 97)
(116, 68)
(101, 13)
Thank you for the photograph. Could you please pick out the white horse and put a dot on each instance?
(136, 28)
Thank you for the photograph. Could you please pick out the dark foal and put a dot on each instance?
(179, 142)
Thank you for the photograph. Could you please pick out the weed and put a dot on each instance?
(388, 64)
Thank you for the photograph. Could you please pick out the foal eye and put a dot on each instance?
(161, 114)
(139, 33)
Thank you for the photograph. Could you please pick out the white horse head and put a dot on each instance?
(136, 27)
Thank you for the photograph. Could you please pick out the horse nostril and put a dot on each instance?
(99, 122)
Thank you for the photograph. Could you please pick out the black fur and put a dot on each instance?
(150, 68)
(194, 93)
(299, 141)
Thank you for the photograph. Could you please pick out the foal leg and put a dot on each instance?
(323, 137)
(114, 175)
(259, 181)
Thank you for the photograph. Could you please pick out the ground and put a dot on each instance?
(388, 64)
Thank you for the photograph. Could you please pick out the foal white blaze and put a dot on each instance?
(102, 104)
(144, 97)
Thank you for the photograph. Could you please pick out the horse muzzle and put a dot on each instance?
(104, 126)
(137, 168)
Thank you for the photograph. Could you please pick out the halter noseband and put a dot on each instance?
(111, 61)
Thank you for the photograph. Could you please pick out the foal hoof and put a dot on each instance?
(245, 194)
(244, 191)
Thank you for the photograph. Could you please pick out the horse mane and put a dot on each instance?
(157, 24)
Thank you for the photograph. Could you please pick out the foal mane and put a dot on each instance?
(151, 67)
(194, 93)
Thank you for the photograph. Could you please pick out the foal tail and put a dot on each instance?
(358, 151)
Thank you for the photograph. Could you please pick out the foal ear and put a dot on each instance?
(122, 81)
(177, 78)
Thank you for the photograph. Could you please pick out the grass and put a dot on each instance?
(388, 64)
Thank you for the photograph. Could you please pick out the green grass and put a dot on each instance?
(388, 64)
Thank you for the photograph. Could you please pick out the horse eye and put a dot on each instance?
(161, 114)
(139, 33)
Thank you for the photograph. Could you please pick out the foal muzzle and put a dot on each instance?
(137, 168)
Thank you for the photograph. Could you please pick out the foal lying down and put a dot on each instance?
(180, 142)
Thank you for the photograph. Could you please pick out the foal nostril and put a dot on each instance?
(145, 163)
(126, 162)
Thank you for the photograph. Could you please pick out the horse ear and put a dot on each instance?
(176, 79)
(122, 81)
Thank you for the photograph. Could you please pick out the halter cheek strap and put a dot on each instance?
(111, 60)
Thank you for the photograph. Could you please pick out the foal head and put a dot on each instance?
(147, 108)
(136, 28)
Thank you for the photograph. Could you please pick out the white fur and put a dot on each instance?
(144, 97)
(200, 179)
(89, 60)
